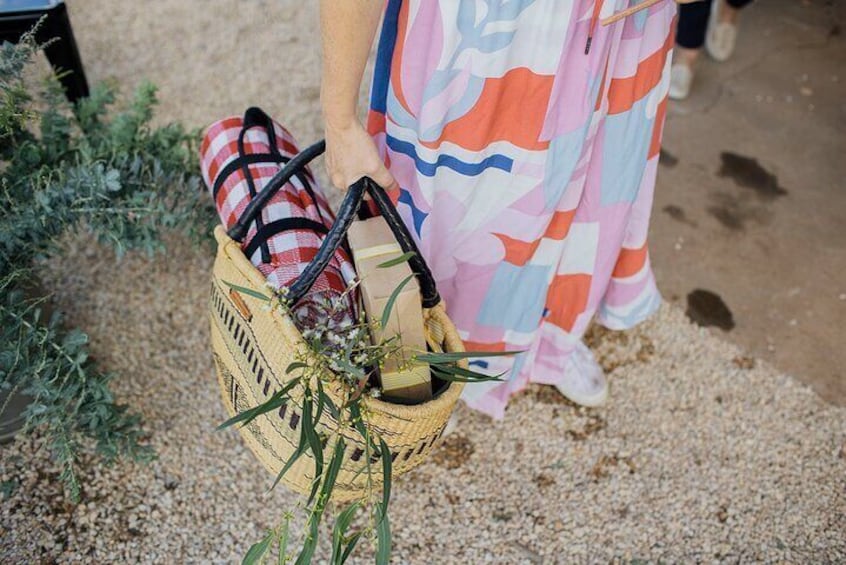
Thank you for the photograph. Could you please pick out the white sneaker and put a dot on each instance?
(681, 78)
(721, 37)
(584, 380)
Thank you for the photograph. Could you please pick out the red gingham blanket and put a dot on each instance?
(235, 174)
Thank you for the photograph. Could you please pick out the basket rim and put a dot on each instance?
(231, 250)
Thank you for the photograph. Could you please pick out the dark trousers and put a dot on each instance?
(693, 22)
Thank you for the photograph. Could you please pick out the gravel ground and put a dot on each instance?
(703, 454)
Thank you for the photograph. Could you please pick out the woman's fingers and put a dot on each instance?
(351, 154)
(342, 178)
(383, 177)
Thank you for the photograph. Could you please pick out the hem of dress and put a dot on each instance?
(615, 325)
(494, 412)
(497, 412)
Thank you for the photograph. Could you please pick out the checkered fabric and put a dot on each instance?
(237, 162)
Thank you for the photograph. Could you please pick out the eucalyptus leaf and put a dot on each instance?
(75, 338)
(315, 487)
(302, 447)
(321, 401)
(307, 551)
(342, 524)
(458, 356)
(314, 444)
(468, 375)
(332, 471)
(358, 422)
(331, 407)
(449, 375)
(383, 538)
(248, 291)
(396, 260)
(386, 477)
(294, 366)
(273, 403)
(257, 550)
(350, 546)
(112, 180)
(389, 305)
(283, 542)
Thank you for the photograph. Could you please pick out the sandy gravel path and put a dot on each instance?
(702, 455)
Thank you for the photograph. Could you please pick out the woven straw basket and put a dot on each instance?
(253, 346)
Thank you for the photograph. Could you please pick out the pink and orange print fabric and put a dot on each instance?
(526, 167)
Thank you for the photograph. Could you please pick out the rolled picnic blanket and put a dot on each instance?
(239, 156)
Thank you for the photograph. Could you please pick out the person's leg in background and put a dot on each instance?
(700, 25)
(690, 37)
(722, 31)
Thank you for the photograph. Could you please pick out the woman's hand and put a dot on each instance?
(347, 28)
(351, 154)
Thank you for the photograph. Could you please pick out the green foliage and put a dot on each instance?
(92, 167)
(117, 176)
(344, 355)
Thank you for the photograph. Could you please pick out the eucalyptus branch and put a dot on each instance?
(66, 167)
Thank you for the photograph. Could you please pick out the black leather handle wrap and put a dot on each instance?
(239, 231)
(335, 238)
(428, 288)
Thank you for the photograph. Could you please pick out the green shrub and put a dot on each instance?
(72, 167)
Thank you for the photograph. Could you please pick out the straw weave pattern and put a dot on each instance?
(253, 347)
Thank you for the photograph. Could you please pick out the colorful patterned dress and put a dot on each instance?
(526, 167)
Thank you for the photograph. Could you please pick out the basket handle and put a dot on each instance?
(346, 215)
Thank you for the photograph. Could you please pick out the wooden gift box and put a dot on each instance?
(372, 244)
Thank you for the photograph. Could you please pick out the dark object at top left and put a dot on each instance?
(19, 16)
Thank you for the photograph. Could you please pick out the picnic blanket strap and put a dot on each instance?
(255, 117)
(238, 162)
(241, 226)
(278, 226)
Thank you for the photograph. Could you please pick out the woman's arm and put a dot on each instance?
(347, 29)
